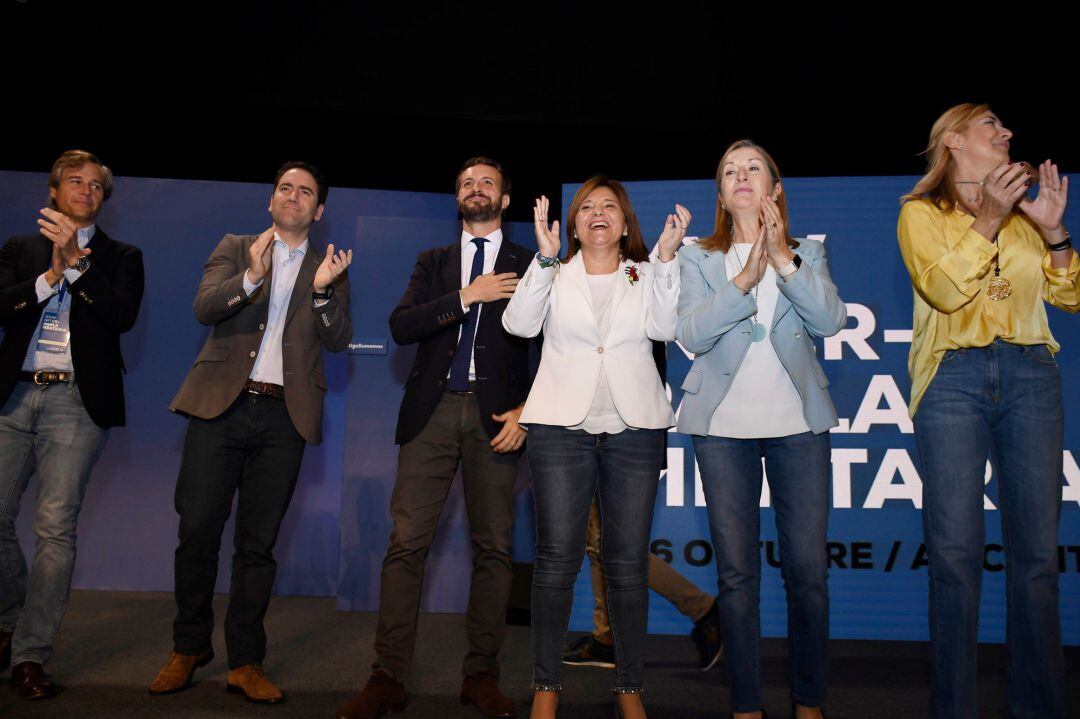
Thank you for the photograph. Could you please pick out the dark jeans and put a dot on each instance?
(426, 468)
(252, 448)
(798, 467)
(568, 468)
(1001, 402)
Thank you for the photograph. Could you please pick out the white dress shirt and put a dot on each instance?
(56, 361)
(468, 252)
(286, 263)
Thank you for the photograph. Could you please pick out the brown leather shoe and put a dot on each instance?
(482, 691)
(5, 649)
(381, 695)
(29, 681)
(251, 681)
(177, 672)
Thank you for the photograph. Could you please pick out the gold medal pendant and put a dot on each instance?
(998, 289)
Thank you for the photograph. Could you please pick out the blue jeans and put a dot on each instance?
(43, 428)
(1003, 402)
(568, 468)
(798, 467)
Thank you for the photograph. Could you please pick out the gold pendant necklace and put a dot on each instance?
(998, 288)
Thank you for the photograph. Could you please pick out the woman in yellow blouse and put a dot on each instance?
(983, 260)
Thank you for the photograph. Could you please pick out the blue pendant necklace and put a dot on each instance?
(757, 333)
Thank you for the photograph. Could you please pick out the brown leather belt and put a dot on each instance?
(47, 376)
(266, 389)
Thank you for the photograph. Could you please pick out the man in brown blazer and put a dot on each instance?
(253, 397)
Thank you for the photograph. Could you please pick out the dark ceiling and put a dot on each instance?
(393, 95)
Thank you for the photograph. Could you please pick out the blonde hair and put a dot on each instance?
(937, 184)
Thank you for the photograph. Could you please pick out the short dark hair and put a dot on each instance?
(320, 179)
(504, 179)
(73, 159)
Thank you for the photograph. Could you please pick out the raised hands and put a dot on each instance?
(55, 273)
(1001, 189)
(332, 266)
(259, 256)
(1048, 207)
(674, 232)
(547, 238)
(772, 222)
(59, 229)
(754, 266)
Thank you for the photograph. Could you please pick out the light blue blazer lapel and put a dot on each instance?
(714, 269)
(783, 304)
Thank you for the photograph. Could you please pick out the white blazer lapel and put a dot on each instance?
(575, 274)
(622, 284)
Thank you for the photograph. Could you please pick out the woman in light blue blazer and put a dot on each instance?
(752, 299)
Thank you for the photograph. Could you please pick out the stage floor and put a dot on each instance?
(113, 643)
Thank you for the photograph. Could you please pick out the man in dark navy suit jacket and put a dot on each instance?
(461, 405)
(66, 296)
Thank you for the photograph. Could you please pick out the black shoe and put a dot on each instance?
(28, 680)
(707, 639)
(587, 652)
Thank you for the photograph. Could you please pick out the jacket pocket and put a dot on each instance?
(213, 353)
(692, 383)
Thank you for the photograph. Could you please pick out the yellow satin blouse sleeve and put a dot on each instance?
(950, 265)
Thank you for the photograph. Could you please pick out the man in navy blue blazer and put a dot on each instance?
(461, 405)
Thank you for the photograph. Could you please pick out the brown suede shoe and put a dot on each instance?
(29, 681)
(5, 649)
(482, 691)
(251, 681)
(176, 675)
(381, 695)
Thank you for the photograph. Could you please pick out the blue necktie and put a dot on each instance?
(459, 369)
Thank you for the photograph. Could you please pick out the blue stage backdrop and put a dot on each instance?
(337, 529)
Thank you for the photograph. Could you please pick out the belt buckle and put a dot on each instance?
(37, 377)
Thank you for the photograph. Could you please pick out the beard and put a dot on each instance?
(484, 212)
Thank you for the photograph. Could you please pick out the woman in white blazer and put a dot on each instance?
(752, 298)
(596, 415)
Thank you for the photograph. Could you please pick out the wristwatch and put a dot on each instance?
(324, 295)
(82, 265)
